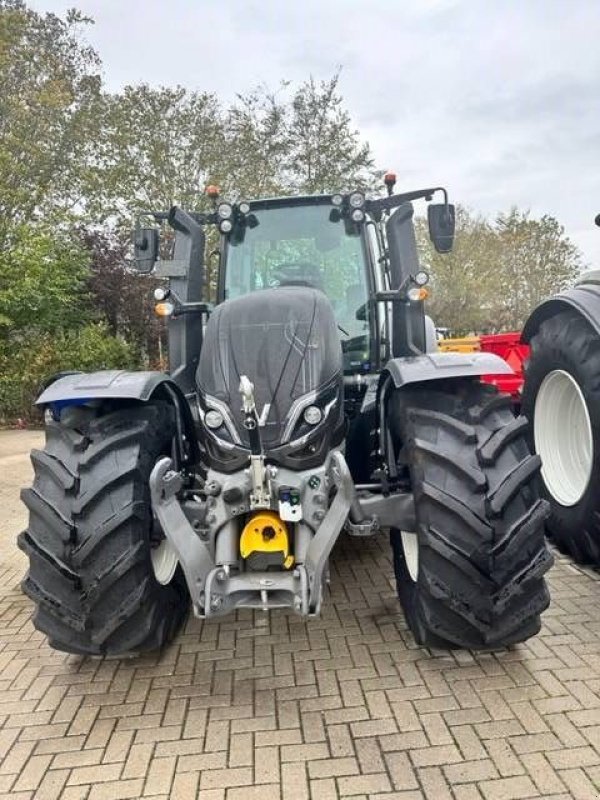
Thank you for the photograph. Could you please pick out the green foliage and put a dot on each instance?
(42, 275)
(498, 272)
(157, 147)
(36, 355)
(50, 90)
(299, 141)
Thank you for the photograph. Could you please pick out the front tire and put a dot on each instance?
(561, 399)
(90, 536)
(476, 578)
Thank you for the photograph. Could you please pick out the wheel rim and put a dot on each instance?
(164, 561)
(563, 437)
(410, 546)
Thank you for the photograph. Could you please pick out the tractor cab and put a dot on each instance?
(305, 243)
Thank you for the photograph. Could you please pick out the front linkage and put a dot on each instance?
(203, 528)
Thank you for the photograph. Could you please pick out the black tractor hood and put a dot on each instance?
(285, 340)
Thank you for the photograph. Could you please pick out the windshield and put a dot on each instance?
(300, 245)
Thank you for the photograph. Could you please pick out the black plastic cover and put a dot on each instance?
(285, 340)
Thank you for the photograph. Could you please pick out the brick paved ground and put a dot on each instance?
(273, 707)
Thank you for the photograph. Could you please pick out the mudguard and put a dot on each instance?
(81, 387)
(439, 366)
(583, 298)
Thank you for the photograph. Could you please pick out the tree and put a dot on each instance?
(49, 89)
(42, 282)
(122, 299)
(163, 146)
(536, 260)
(157, 147)
(499, 271)
(463, 281)
(325, 152)
(300, 141)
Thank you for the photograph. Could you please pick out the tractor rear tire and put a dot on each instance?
(90, 534)
(561, 399)
(472, 574)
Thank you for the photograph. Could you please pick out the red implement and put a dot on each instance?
(509, 347)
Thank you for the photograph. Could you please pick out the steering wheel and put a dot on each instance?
(297, 273)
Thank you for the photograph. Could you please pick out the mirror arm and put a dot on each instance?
(387, 203)
(192, 308)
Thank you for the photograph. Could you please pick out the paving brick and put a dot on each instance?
(294, 782)
(340, 740)
(400, 771)
(579, 785)
(434, 784)
(117, 790)
(77, 758)
(575, 757)
(52, 785)
(369, 756)
(32, 773)
(224, 778)
(185, 785)
(504, 758)
(471, 771)
(542, 774)
(435, 756)
(96, 774)
(508, 788)
(265, 792)
(333, 767)
(304, 752)
(266, 765)
(321, 789)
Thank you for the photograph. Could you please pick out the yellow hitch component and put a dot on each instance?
(266, 533)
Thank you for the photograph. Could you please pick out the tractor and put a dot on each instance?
(308, 399)
(561, 398)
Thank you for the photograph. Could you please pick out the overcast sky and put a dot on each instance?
(499, 101)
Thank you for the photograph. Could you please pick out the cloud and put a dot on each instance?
(497, 100)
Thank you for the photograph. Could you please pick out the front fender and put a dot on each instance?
(584, 298)
(82, 387)
(106, 384)
(439, 366)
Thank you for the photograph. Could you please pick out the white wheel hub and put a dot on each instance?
(164, 561)
(563, 437)
(410, 545)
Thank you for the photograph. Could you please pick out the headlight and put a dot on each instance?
(312, 415)
(225, 226)
(421, 278)
(161, 293)
(357, 215)
(337, 200)
(244, 207)
(224, 210)
(213, 419)
(356, 200)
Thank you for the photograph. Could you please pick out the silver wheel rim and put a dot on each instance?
(563, 438)
(410, 545)
(164, 562)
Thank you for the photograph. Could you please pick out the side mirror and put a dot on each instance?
(145, 249)
(441, 220)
